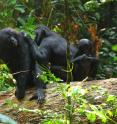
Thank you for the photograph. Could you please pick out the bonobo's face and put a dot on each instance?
(38, 36)
(41, 32)
(8, 41)
(85, 46)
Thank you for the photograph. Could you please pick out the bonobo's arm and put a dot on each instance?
(39, 95)
(79, 58)
(41, 54)
(84, 56)
(59, 71)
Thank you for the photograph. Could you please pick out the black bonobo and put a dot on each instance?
(15, 52)
(50, 47)
(85, 61)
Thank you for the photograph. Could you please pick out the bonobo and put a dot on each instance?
(85, 61)
(52, 48)
(15, 52)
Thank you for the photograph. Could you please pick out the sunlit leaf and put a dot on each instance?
(20, 8)
(101, 115)
(110, 113)
(11, 2)
(111, 98)
(114, 48)
(91, 116)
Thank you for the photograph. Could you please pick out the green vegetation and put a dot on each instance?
(6, 79)
(93, 104)
(108, 61)
(92, 19)
(47, 76)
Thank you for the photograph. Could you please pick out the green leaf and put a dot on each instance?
(101, 115)
(116, 112)
(20, 8)
(91, 116)
(110, 98)
(114, 48)
(12, 2)
(55, 121)
(115, 58)
(110, 113)
(21, 21)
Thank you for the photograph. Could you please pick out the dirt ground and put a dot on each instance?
(17, 110)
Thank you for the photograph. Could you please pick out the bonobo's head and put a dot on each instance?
(85, 47)
(42, 32)
(9, 41)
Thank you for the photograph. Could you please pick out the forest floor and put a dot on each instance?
(18, 110)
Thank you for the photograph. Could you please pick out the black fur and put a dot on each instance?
(15, 52)
(85, 61)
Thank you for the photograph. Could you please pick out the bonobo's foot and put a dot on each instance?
(19, 94)
(40, 96)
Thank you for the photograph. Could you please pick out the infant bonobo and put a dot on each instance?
(85, 61)
(15, 52)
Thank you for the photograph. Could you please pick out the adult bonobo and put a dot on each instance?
(52, 47)
(15, 52)
(85, 61)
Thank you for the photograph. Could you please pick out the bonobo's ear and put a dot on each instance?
(14, 41)
(40, 34)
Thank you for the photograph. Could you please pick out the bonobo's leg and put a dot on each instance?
(81, 67)
(40, 54)
(59, 71)
(21, 85)
(85, 66)
(40, 95)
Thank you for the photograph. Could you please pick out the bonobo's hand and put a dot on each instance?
(88, 57)
(84, 56)
(40, 96)
(91, 59)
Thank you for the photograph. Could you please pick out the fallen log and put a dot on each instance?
(54, 103)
